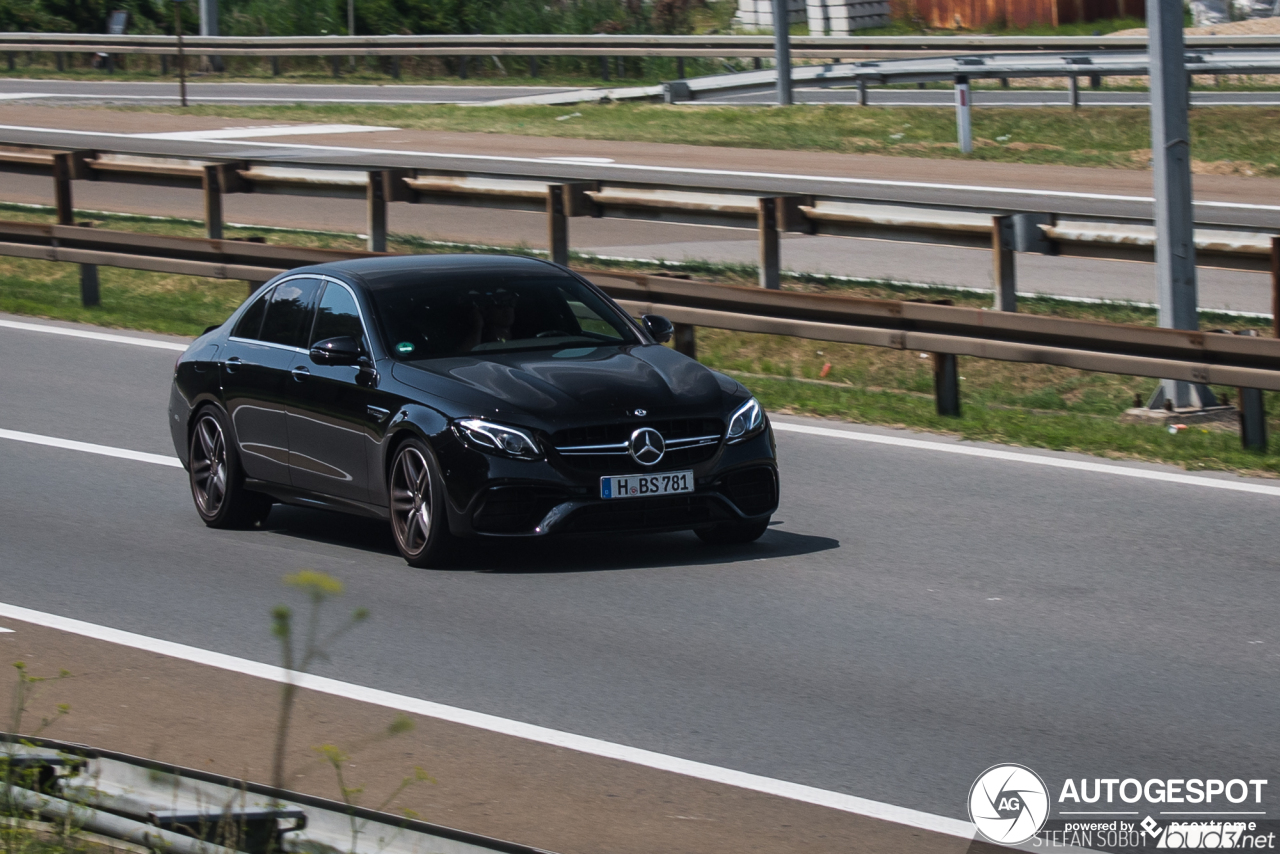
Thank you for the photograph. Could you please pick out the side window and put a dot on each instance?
(251, 321)
(289, 314)
(337, 316)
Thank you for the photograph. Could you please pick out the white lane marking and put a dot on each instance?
(257, 132)
(95, 336)
(89, 448)
(681, 170)
(503, 726)
(1031, 459)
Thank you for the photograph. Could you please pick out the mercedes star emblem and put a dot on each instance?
(646, 446)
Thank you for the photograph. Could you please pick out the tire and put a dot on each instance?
(733, 533)
(419, 522)
(217, 480)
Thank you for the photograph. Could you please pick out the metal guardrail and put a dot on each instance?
(177, 810)
(1094, 64)
(588, 45)
(1003, 231)
(1202, 357)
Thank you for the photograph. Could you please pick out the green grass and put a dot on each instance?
(1030, 405)
(1240, 139)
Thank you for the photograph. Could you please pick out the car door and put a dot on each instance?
(335, 420)
(255, 370)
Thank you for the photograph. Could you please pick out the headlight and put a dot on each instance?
(498, 439)
(747, 420)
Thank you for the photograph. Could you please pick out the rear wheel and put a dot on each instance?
(417, 507)
(217, 481)
(730, 533)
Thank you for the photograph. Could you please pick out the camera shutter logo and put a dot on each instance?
(646, 446)
(1009, 804)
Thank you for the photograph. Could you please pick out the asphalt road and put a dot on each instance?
(912, 618)
(138, 92)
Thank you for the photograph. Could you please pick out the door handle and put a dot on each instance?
(232, 364)
(300, 373)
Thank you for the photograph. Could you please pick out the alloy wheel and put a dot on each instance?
(411, 500)
(209, 465)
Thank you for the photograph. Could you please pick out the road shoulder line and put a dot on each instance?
(504, 726)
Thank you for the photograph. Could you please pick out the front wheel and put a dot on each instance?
(417, 507)
(217, 482)
(732, 533)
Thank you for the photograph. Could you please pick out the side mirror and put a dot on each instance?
(658, 327)
(336, 351)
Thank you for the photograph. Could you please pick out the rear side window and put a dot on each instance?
(337, 316)
(251, 321)
(289, 314)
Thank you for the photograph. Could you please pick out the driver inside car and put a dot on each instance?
(490, 316)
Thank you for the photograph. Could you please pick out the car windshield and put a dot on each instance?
(437, 316)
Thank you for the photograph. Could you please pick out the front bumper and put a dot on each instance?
(739, 483)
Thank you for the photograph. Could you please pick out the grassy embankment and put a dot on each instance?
(1029, 405)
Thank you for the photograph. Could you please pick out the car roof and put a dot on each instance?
(376, 273)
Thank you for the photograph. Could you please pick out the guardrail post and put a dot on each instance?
(212, 184)
(862, 93)
(1275, 286)
(946, 384)
(1073, 89)
(1004, 274)
(63, 170)
(604, 68)
(680, 67)
(335, 66)
(275, 66)
(1253, 420)
(685, 340)
(60, 61)
(964, 130)
(557, 224)
(89, 293)
(770, 263)
(533, 66)
(782, 49)
(395, 68)
(376, 197)
(1095, 81)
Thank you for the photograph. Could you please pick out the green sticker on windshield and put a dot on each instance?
(404, 348)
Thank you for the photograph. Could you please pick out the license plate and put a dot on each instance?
(636, 485)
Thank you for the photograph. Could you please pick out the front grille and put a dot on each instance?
(514, 509)
(753, 491)
(643, 514)
(601, 449)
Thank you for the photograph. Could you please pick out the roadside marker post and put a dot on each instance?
(964, 130)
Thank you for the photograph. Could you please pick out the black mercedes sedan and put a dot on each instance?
(460, 396)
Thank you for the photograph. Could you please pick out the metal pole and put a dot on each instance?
(62, 171)
(946, 384)
(782, 49)
(182, 57)
(209, 27)
(351, 25)
(1171, 168)
(964, 129)
(1073, 88)
(376, 206)
(212, 186)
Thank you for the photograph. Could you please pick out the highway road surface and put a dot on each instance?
(921, 609)
(166, 93)
(1228, 199)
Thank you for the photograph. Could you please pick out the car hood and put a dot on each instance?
(561, 386)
